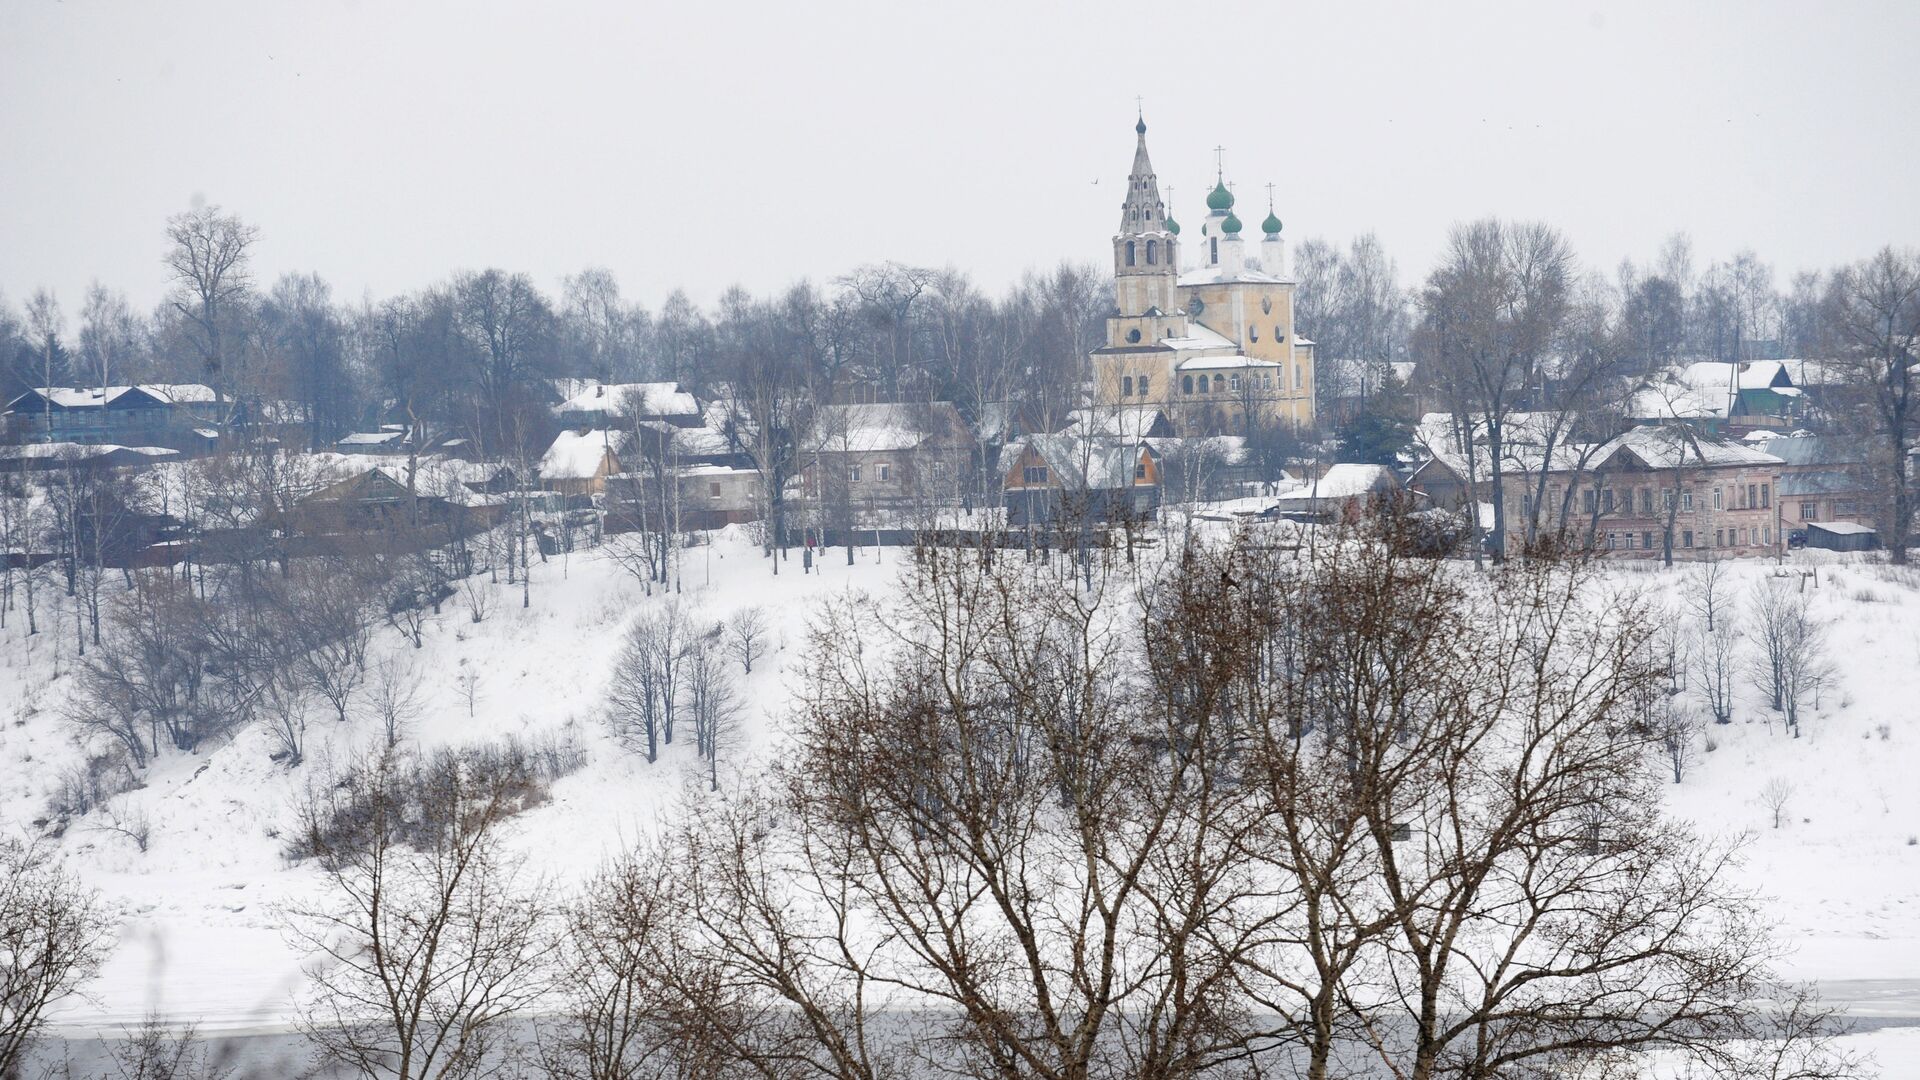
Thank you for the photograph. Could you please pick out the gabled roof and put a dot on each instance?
(579, 455)
(1087, 463)
(1132, 421)
(1347, 480)
(1816, 450)
(100, 397)
(612, 399)
(1666, 447)
(883, 426)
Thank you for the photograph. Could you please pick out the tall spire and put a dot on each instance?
(1142, 212)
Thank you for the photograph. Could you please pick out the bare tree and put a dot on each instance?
(54, 935)
(209, 260)
(1774, 795)
(429, 937)
(746, 633)
(46, 323)
(712, 699)
(393, 695)
(284, 708)
(1873, 314)
(1715, 653)
(1790, 644)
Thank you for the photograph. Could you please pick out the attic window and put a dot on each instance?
(1033, 474)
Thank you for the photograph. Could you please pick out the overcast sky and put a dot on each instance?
(703, 144)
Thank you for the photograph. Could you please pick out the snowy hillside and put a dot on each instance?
(202, 941)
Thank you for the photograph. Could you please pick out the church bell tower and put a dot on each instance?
(1145, 251)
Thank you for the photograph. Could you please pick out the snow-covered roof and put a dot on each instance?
(1346, 480)
(578, 455)
(1093, 463)
(1218, 275)
(1843, 528)
(372, 438)
(1676, 447)
(1198, 338)
(1133, 421)
(1223, 363)
(883, 426)
(96, 397)
(611, 399)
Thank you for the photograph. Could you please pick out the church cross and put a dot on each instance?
(1220, 160)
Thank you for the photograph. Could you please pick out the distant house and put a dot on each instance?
(1841, 536)
(1346, 493)
(603, 405)
(391, 439)
(579, 462)
(1824, 478)
(1065, 476)
(43, 457)
(889, 456)
(1723, 397)
(1123, 421)
(370, 501)
(1720, 495)
(176, 415)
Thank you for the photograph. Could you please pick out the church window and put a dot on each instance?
(1126, 386)
(1186, 384)
(1234, 383)
(1253, 333)
(1144, 381)
(1213, 249)
(1152, 255)
(1219, 384)
(1133, 335)
(1278, 334)
(1129, 253)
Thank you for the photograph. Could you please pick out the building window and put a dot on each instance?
(1129, 253)
(1753, 497)
(1686, 503)
(1213, 249)
(1629, 541)
(1646, 500)
(939, 470)
(1233, 382)
(1140, 469)
(1666, 500)
(1277, 335)
(1719, 538)
(1126, 386)
(1686, 538)
(1717, 500)
(1646, 540)
(1766, 534)
(1606, 501)
(1153, 256)
(853, 473)
(1145, 380)
(1186, 384)
(713, 491)
(883, 473)
(1033, 474)
(1219, 384)
(1253, 333)
(1766, 496)
(1609, 541)
(1587, 500)
(1808, 509)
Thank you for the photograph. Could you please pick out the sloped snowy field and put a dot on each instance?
(202, 944)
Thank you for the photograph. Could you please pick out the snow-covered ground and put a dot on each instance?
(201, 940)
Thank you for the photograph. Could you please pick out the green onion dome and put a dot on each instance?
(1220, 198)
(1172, 226)
(1231, 226)
(1271, 226)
